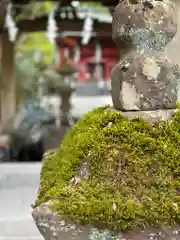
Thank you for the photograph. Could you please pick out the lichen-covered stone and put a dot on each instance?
(127, 171)
(144, 82)
(150, 24)
(149, 116)
(144, 79)
(55, 227)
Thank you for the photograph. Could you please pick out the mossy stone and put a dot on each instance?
(134, 172)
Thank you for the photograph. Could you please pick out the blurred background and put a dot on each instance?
(56, 61)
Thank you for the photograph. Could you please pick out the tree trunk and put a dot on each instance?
(7, 84)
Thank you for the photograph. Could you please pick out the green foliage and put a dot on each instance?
(26, 72)
(34, 9)
(134, 169)
(41, 42)
(28, 43)
(26, 76)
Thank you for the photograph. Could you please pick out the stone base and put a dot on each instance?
(150, 116)
(53, 227)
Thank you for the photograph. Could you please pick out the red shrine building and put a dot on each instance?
(95, 59)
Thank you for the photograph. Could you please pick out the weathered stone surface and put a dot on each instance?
(150, 24)
(82, 173)
(54, 227)
(144, 82)
(144, 79)
(149, 116)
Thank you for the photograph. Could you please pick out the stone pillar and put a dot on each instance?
(144, 79)
(173, 48)
(65, 91)
(41, 86)
(7, 84)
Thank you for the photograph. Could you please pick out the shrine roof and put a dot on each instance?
(68, 18)
(96, 11)
(79, 34)
(99, 14)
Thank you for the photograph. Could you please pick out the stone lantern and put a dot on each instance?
(144, 79)
(41, 66)
(64, 88)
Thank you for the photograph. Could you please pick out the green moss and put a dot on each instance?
(134, 169)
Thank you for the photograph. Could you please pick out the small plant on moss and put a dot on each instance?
(134, 168)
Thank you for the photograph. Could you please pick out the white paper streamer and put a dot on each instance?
(98, 53)
(87, 29)
(77, 54)
(10, 24)
(52, 26)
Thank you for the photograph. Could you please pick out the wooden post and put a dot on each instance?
(62, 55)
(7, 84)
